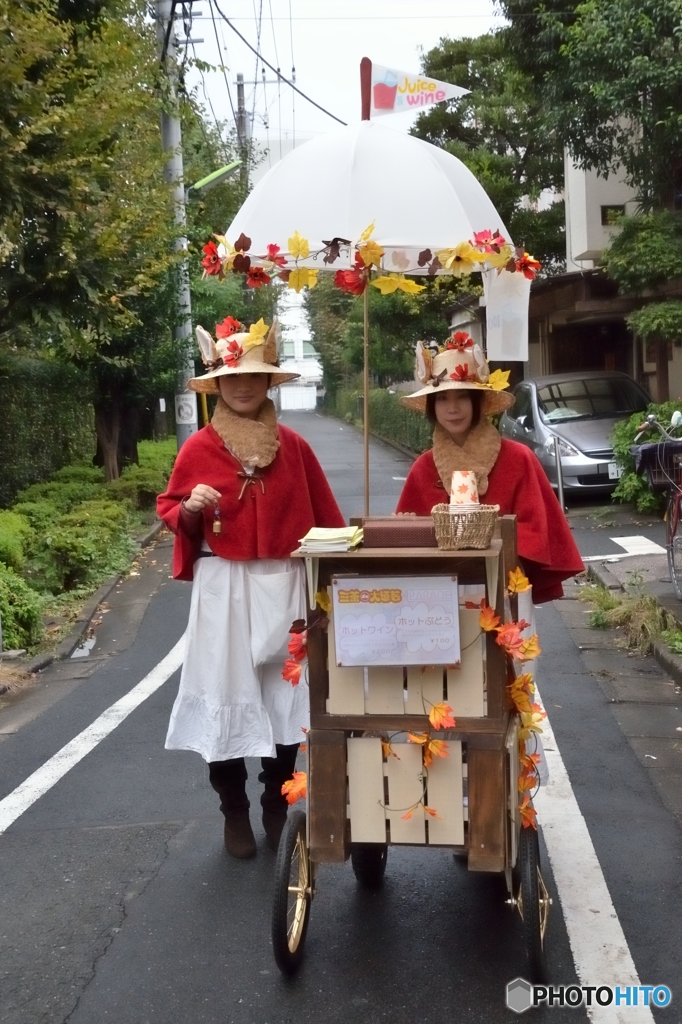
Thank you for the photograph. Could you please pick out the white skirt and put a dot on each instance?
(227, 706)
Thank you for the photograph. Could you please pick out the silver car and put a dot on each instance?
(578, 410)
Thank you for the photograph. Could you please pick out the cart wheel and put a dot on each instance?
(369, 863)
(533, 903)
(291, 905)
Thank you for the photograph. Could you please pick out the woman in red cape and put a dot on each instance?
(243, 492)
(458, 395)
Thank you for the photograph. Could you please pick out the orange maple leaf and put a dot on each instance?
(435, 748)
(440, 716)
(529, 761)
(509, 637)
(292, 671)
(387, 750)
(474, 604)
(303, 746)
(296, 788)
(528, 813)
(529, 648)
(408, 814)
(518, 582)
(417, 737)
(488, 620)
(527, 780)
(433, 812)
(298, 646)
(520, 697)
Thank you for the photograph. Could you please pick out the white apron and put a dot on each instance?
(232, 700)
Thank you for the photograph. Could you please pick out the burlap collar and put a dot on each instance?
(253, 442)
(478, 453)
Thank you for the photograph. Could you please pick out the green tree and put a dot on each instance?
(609, 72)
(498, 132)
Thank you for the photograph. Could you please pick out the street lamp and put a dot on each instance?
(213, 179)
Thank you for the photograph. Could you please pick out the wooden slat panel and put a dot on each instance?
(327, 796)
(385, 692)
(469, 729)
(366, 790)
(346, 685)
(423, 689)
(405, 788)
(487, 809)
(444, 790)
(465, 683)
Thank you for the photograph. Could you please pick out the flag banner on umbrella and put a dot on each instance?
(394, 91)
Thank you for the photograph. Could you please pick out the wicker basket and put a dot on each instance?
(457, 530)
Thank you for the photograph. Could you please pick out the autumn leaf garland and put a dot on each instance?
(486, 247)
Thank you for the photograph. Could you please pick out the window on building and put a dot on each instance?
(287, 350)
(308, 351)
(610, 215)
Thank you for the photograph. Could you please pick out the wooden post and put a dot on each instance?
(366, 87)
(327, 796)
(365, 387)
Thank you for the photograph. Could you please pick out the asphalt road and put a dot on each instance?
(119, 903)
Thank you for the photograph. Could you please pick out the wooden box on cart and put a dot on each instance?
(358, 796)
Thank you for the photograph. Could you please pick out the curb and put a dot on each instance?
(600, 574)
(68, 645)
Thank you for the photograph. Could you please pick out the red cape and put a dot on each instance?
(263, 523)
(517, 483)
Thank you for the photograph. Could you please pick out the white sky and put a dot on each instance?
(328, 41)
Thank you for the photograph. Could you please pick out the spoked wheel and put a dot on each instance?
(674, 542)
(293, 892)
(533, 903)
(369, 863)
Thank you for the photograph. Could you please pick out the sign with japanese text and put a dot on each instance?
(396, 620)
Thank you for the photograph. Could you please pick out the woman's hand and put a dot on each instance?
(202, 496)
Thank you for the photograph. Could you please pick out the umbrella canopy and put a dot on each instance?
(418, 196)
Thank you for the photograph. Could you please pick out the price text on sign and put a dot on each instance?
(393, 620)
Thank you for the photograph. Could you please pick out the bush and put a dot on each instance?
(40, 516)
(158, 455)
(633, 487)
(15, 532)
(20, 610)
(139, 485)
(80, 473)
(85, 545)
(61, 494)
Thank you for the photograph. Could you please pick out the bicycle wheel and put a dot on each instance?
(533, 903)
(674, 541)
(293, 890)
(369, 863)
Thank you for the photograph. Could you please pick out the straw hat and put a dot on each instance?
(458, 365)
(239, 351)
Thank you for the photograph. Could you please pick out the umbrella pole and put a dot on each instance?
(365, 383)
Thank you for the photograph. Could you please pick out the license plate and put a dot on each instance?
(615, 471)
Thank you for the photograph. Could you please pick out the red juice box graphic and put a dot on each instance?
(385, 92)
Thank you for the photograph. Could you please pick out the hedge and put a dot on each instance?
(46, 421)
(388, 417)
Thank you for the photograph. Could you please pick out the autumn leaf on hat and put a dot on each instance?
(461, 374)
(499, 380)
(460, 341)
(257, 332)
(234, 353)
(296, 788)
(424, 362)
(228, 327)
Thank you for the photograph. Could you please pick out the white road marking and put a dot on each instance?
(45, 777)
(400, 478)
(600, 951)
(638, 545)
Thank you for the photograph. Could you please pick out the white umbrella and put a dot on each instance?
(420, 199)
(417, 195)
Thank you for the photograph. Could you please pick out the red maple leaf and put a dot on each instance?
(212, 263)
(461, 373)
(292, 671)
(355, 280)
(228, 327)
(298, 646)
(273, 256)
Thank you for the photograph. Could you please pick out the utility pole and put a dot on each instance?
(171, 140)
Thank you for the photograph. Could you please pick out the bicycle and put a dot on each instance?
(662, 463)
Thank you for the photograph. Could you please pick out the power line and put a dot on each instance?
(220, 58)
(274, 70)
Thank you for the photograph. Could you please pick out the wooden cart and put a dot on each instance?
(357, 795)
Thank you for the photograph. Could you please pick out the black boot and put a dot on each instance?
(228, 778)
(276, 771)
